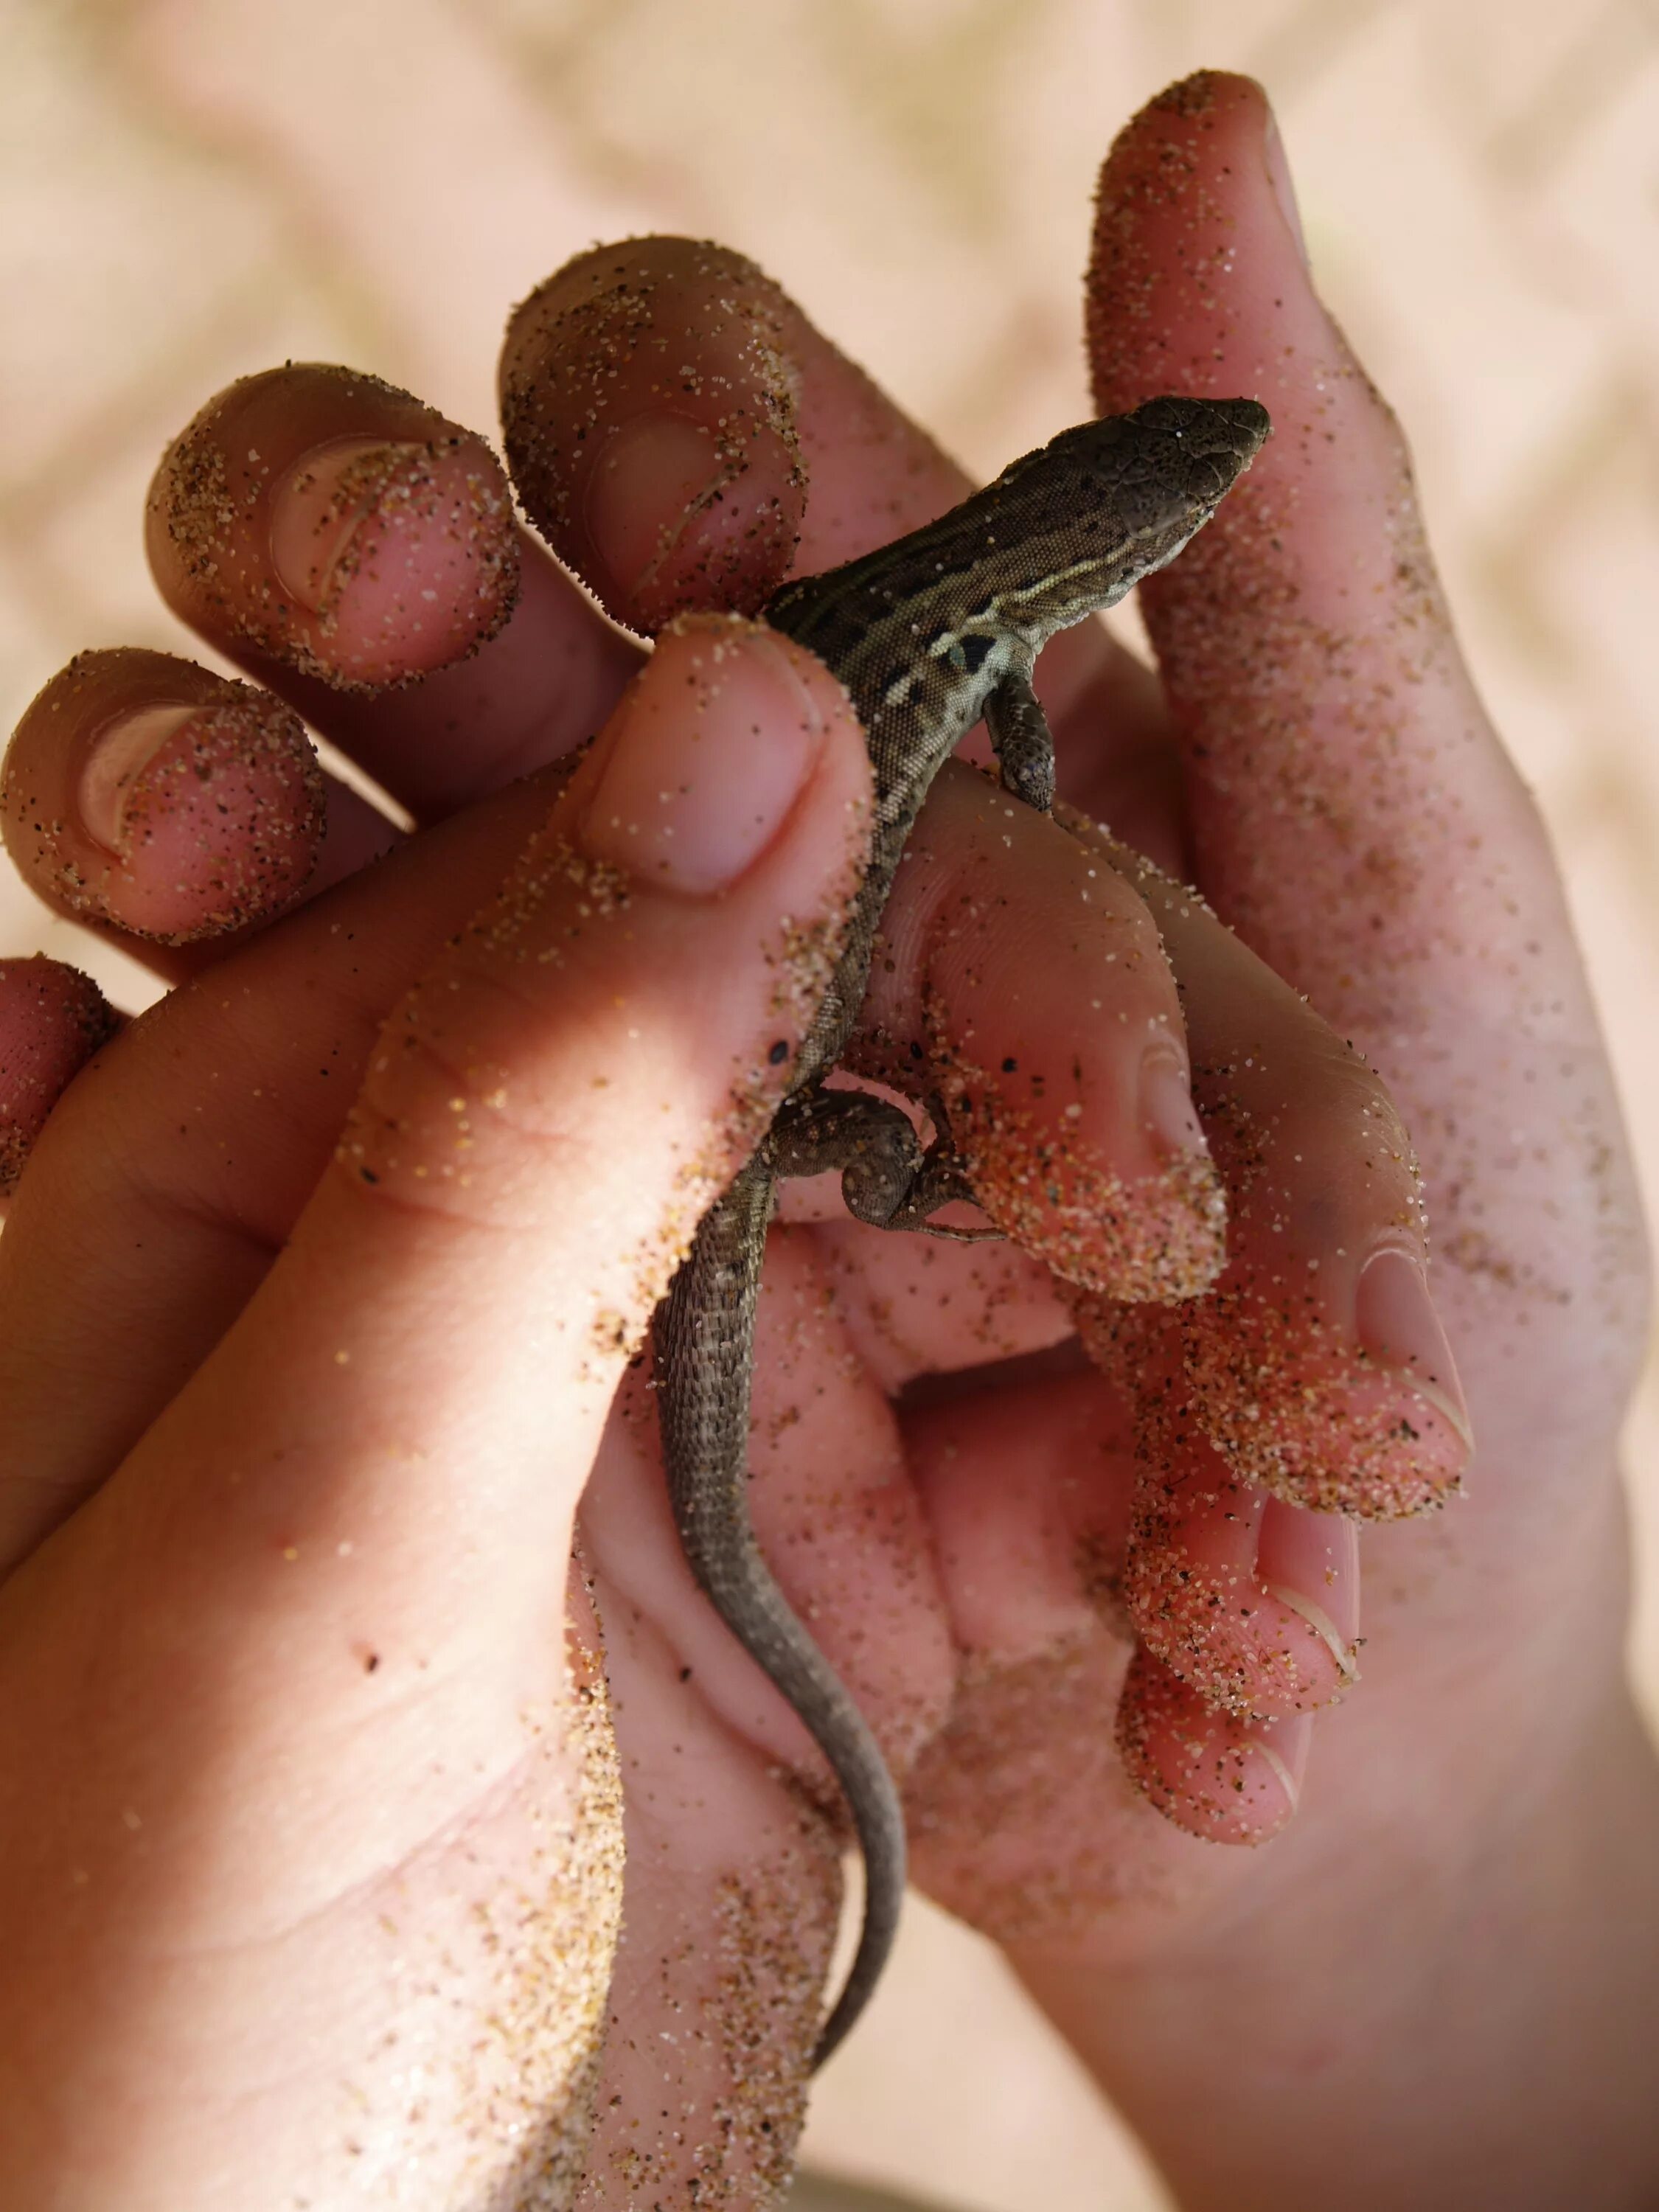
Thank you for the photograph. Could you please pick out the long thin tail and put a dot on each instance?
(705, 1334)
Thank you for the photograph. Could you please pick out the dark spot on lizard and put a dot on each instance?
(779, 1053)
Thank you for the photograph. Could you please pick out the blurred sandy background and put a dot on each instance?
(190, 188)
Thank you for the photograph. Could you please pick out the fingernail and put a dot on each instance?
(654, 467)
(213, 815)
(1323, 1626)
(1396, 1326)
(1167, 1112)
(120, 755)
(1310, 1563)
(705, 759)
(1279, 176)
(1287, 1755)
(321, 508)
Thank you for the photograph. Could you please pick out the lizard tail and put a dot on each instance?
(705, 1333)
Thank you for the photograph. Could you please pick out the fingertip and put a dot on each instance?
(1252, 1604)
(642, 981)
(1190, 234)
(1224, 1779)
(143, 792)
(402, 551)
(320, 518)
(648, 398)
(1025, 986)
(1313, 1417)
(1310, 1562)
(52, 1021)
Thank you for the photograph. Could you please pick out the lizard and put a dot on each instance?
(928, 635)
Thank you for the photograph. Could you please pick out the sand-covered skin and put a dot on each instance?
(1355, 818)
(600, 395)
(570, 382)
(361, 560)
(52, 1020)
(1310, 1384)
(512, 2122)
(141, 793)
(1250, 1603)
(390, 1497)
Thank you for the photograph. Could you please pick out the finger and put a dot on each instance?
(1354, 814)
(668, 483)
(1254, 1605)
(360, 556)
(142, 793)
(336, 538)
(1308, 1364)
(53, 1020)
(200, 1201)
(1022, 980)
(1317, 1365)
(684, 437)
(1356, 817)
(1038, 1514)
(1022, 1815)
(1229, 1780)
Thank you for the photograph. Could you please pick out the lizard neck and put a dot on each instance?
(915, 708)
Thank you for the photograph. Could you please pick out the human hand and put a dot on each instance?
(1483, 1838)
(1433, 1990)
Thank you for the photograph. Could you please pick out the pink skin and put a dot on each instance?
(52, 1020)
(976, 1552)
(316, 547)
(144, 795)
(667, 490)
(220, 1209)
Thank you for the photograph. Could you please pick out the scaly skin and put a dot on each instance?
(928, 635)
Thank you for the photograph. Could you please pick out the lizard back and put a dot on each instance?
(922, 631)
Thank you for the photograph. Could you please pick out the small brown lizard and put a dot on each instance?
(928, 635)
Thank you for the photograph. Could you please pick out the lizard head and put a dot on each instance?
(1106, 503)
(1192, 449)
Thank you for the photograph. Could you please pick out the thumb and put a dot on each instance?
(545, 1120)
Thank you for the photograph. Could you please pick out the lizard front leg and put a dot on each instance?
(1021, 739)
(889, 1179)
